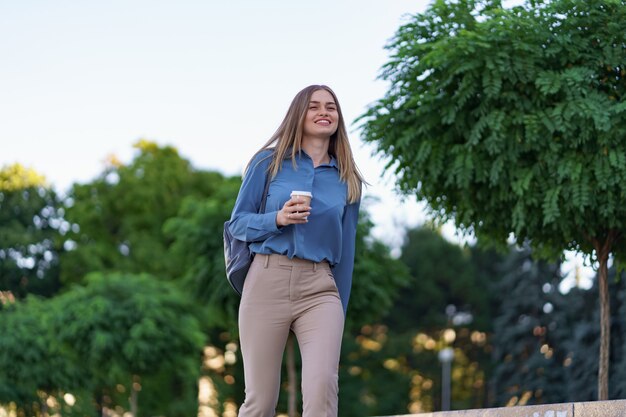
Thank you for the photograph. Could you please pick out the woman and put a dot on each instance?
(304, 253)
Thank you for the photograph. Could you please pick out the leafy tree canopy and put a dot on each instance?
(511, 120)
(31, 358)
(443, 278)
(129, 329)
(31, 230)
(119, 216)
(17, 177)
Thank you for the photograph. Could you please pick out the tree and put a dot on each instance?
(512, 121)
(195, 233)
(530, 333)
(448, 303)
(33, 364)
(123, 327)
(196, 239)
(376, 282)
(31, 230)
(444, 283)
(377, 277)
(119, 216)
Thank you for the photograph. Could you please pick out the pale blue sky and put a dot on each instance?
(80, 80)
(83, 79)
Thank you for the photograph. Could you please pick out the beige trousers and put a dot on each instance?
(282, 294)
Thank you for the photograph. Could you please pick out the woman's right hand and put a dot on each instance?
(293, 212)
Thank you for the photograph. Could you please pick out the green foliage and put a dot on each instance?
(546, 342)
(120, 215)
(443, 277)
(374, 378)
(33, 364)
(197, 244)
(529, 333)
(510, 120)
(100, 340)
(123, 326)
(31, 230)
(447, 286)
(376, 280)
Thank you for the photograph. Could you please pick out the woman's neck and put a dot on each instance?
(317, 149)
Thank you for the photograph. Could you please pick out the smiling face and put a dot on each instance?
(322, 117)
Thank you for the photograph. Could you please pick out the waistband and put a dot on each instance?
(283, 260)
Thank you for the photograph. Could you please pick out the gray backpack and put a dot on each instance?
(237, 255)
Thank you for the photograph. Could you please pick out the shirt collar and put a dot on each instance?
(332, 163)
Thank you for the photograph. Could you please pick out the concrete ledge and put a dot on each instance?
(615, 408)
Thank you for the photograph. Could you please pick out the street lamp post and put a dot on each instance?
(446, 356)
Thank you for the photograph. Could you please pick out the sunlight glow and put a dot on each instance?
(69, 399)
(207, 398)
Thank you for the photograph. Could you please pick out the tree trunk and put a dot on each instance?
(102, 410)
(605, 330)
(291, 376)
(133, 396)
(603, 249)
(44, 408)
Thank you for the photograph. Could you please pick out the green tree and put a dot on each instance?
(197, 244)
(448, 303)
(445, 283)
(124, 328)
(196, 239)
(31, 229)
(377, 277)
(119, 216)
(376, 282)
(512, 121)
(33, 364)
(128, 220)
(529, 339)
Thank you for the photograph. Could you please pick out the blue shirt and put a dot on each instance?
(330, 232)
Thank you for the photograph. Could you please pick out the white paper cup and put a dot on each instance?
(303, 195)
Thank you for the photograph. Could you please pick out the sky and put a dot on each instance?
(82, 80)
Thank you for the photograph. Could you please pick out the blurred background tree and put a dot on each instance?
(33, 364)
(32, 223)
(528, 336)
(445, 304)
(119, 216)
(125, 328)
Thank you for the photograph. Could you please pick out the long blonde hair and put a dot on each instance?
(287, 141)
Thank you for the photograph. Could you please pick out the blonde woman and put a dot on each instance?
(301, 275)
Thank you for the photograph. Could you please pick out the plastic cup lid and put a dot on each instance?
(303, 193)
